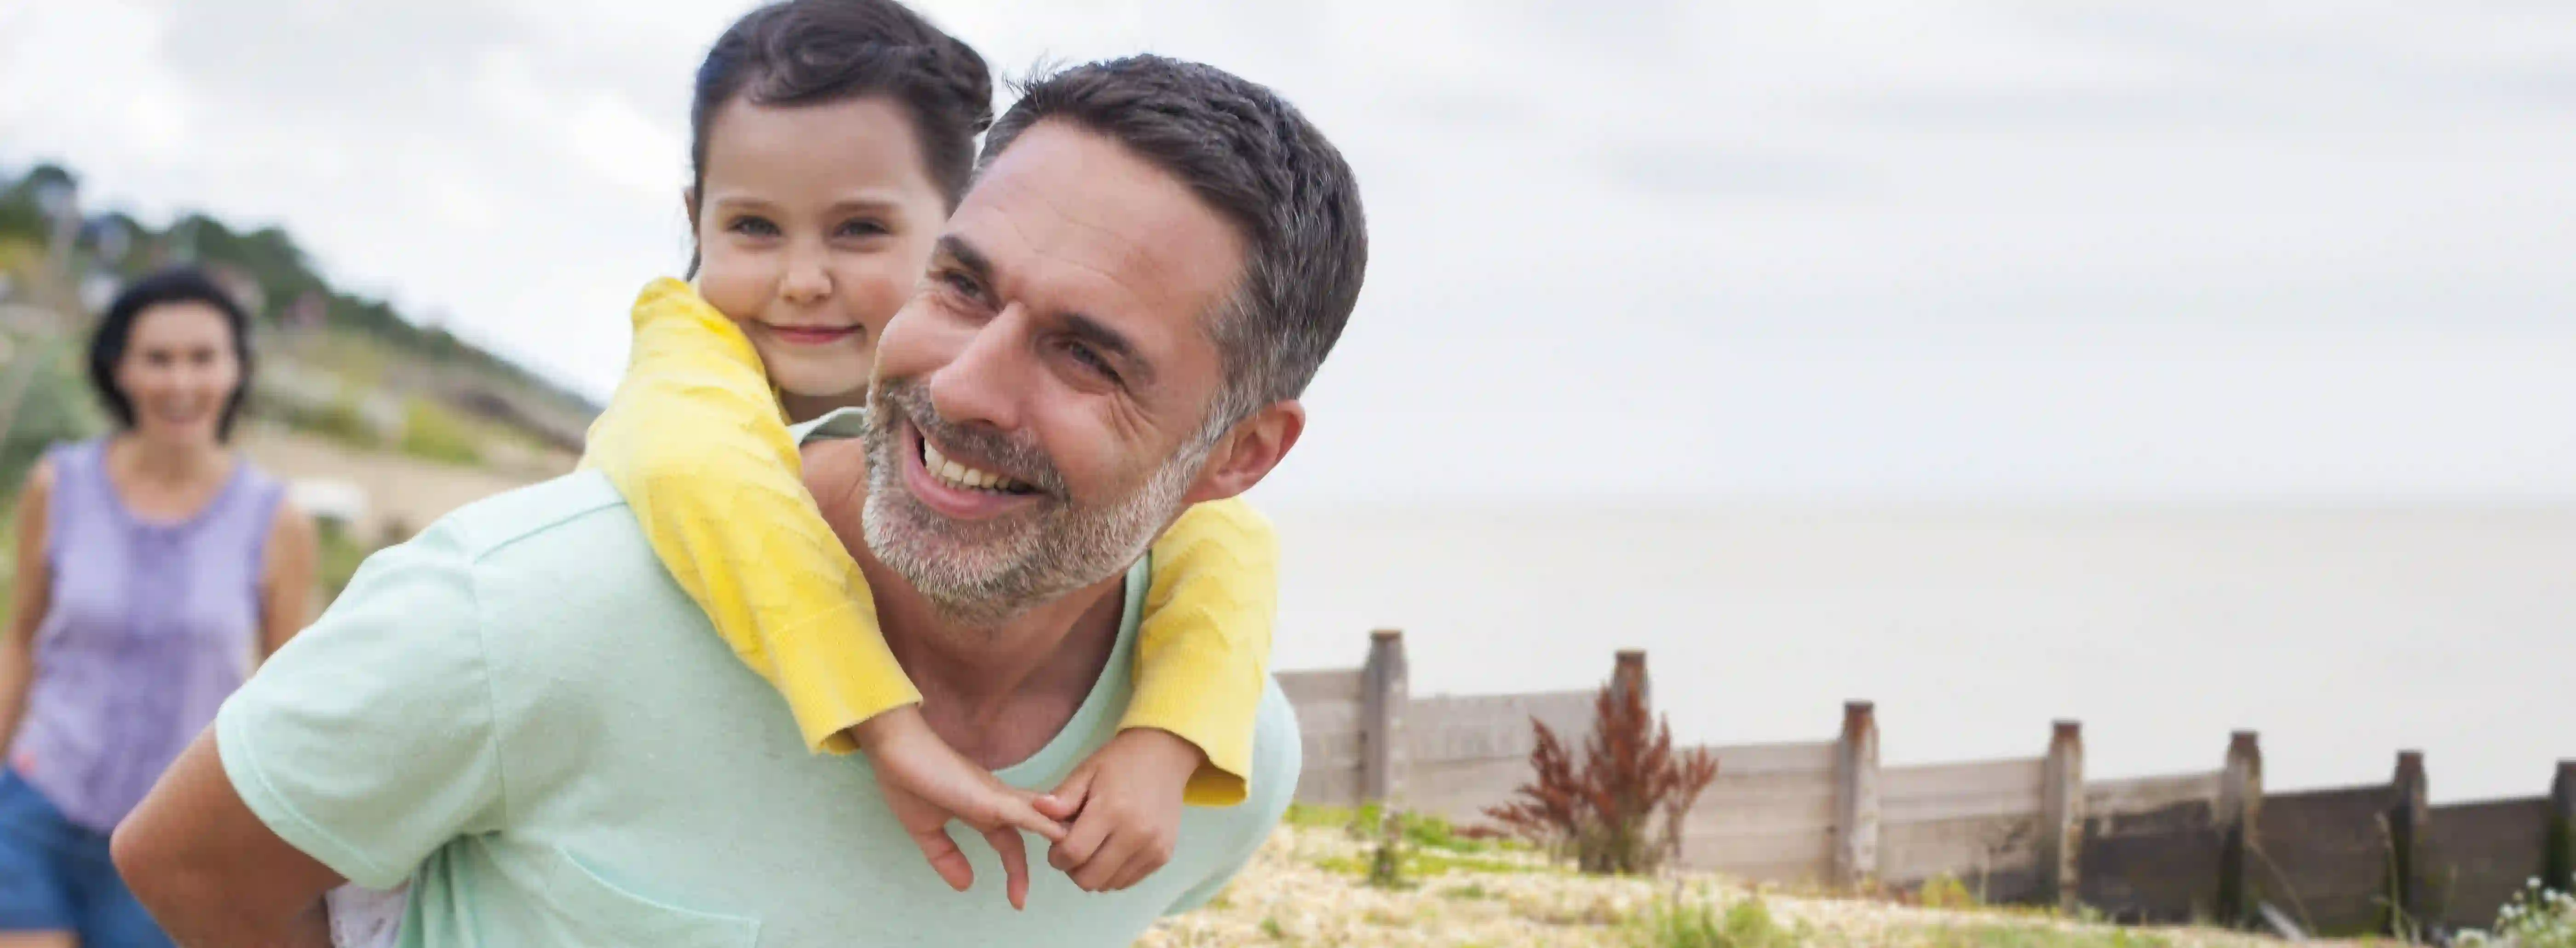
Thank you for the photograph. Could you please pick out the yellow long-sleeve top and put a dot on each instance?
(697, 443)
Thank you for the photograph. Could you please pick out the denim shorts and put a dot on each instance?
(55, 876)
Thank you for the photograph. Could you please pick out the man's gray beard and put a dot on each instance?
(1027, 560)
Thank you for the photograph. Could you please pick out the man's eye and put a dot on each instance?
(753, 227)
(1091, 360)
(962, 284)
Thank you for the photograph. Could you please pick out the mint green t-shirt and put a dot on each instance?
(521, 713)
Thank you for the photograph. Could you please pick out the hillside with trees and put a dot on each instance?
(334, 363)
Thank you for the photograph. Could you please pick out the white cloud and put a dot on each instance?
(2118, 248)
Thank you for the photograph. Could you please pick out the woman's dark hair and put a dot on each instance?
(810, 52)
(116, 330)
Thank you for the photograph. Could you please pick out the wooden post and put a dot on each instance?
(2409, 816)
(1856, 799)
(2061, 826)
(2239, 819)
(2558, 867)
(1630, 672)
(1384, 691)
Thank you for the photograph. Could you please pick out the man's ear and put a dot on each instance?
(1248, 451)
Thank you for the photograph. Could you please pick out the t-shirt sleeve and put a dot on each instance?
(1277, 756)
(368, 741)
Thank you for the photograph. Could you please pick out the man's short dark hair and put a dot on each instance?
(1251, 156)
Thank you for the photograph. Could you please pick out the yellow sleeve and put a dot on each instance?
(696, 443)
(1204, 649)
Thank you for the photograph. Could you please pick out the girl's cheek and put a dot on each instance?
(736, 287)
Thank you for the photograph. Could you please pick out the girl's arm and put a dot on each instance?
(695, 442)
(1204, 650)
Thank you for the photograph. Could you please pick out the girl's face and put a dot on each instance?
(813, 229)
(179, 371)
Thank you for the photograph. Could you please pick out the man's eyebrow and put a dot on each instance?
(967, 258)
(1111, 342)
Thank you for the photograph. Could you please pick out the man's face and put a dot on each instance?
(1037, 407)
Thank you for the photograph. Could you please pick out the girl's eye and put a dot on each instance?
(864, 228)
(753, 227)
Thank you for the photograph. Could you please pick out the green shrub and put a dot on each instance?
(56, 405)
(1945, 891)
(2538, 917)
(339, 421)
(1420, 830)
(434, 433)
(1673, 923)
(339, 559)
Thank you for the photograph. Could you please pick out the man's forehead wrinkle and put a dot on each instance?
(1061, 213)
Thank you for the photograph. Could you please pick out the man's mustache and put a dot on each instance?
(1016, 457)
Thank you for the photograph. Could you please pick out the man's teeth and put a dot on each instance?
(961, 475)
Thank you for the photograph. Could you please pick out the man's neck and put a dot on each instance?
(997, 693)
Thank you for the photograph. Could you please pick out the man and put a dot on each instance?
(519, 703)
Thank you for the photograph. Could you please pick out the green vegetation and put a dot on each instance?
(1423, 864)
(54, 405)
(1427, 846)
(1945, 891)
(2538, 917)
(340, 556)
(8, 557)
(436, 434)
(1673, 923)
(2031, 936)
(1471, 892)
(1419, 830)
(1678, 923)
(271, 260)
(363, 341)
(340, 421)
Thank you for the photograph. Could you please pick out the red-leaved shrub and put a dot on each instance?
(1621, 809)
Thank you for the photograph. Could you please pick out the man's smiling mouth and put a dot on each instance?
(960, 476)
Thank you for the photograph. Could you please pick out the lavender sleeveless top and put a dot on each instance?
(151, 626)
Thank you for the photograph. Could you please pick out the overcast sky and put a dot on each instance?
(1677, 250)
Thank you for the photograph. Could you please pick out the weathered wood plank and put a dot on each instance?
(2149, 794)
(1333, 684)
(1749, 759)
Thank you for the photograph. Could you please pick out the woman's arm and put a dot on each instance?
(33, 585)
(286, 580)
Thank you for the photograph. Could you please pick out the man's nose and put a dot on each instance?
(985, 381)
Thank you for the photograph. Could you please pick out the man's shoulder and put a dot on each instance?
(568, 510)
(1278, 751)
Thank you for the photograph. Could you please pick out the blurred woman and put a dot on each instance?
(155, 567)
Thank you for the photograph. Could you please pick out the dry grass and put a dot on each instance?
(1301, 890)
